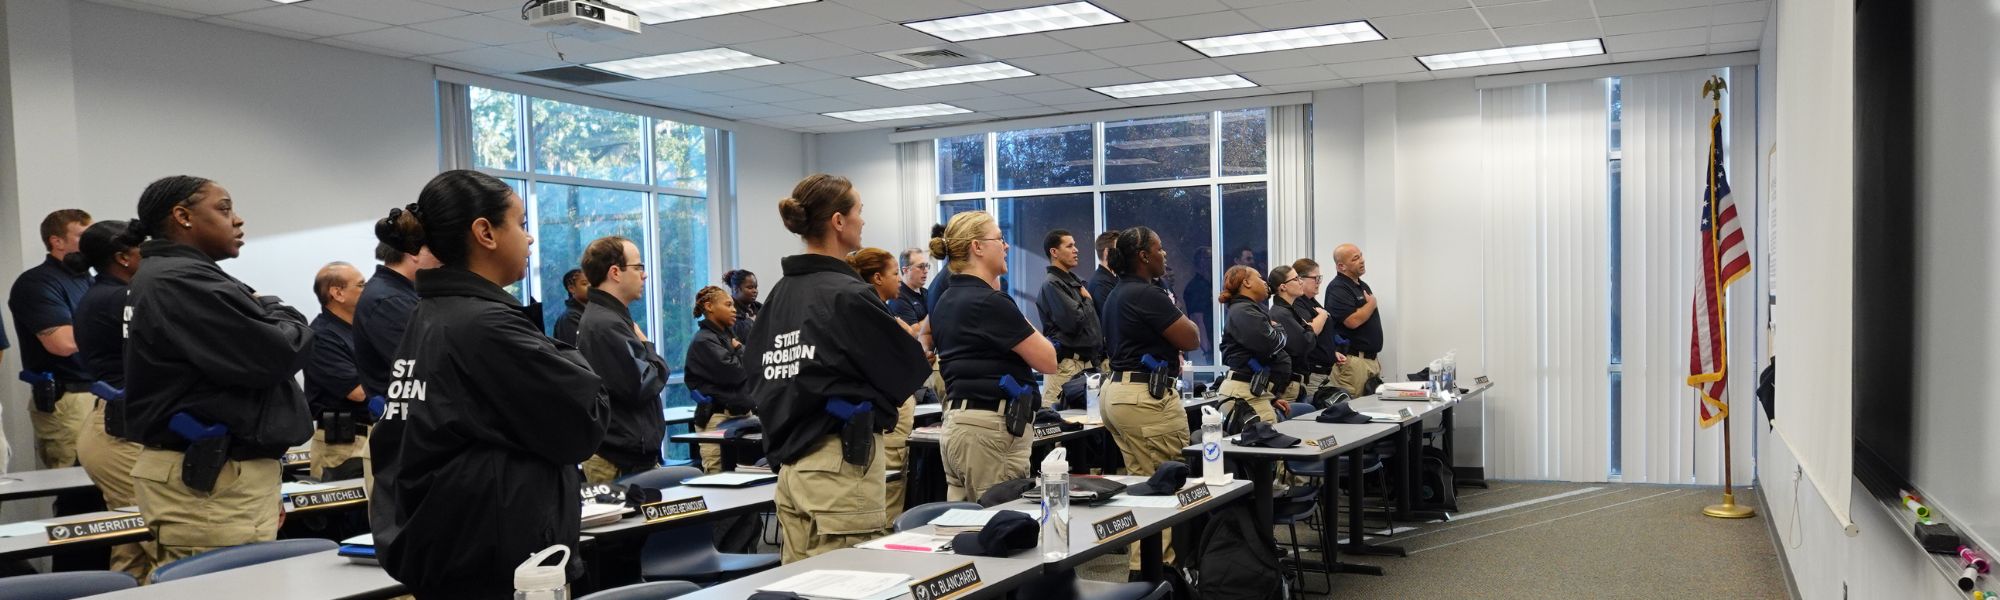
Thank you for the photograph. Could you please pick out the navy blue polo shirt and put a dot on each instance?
(330, 373)
(1344, 296)
(936, 289)
(912, 306)
(1136, 317)
(975, 330)
(44, 298)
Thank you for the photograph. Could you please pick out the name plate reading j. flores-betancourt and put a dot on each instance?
(673, 509)
(95, 528)
(948, 584)
(1117, 524)
(1192, 495)
(333, 497)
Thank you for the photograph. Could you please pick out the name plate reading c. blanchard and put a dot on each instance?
(324, 498)
(946, 585)
(62, 533)
(669, 510)
(1192, 495)
(1117, 524)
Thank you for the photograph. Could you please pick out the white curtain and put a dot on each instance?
(916, 190)
(1291, 181)
(455, 149)
(1548, 277)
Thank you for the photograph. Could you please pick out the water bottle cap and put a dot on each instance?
(1056, 462)
(1209, 415)
(531, 576)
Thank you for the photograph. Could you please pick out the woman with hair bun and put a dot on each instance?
(829, 367)
(715, 367)
(107, 455)
(1253, 344)
(487, 417)
(878, 267)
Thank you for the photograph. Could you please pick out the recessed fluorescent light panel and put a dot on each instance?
(1016, 22)
(897, 112)
(1512, 54)
(947, 75)
(654, 12)
(1286, 39)
(683, 63)
(1177, 86)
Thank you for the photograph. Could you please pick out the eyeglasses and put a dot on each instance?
(991, 239)
(634, 266)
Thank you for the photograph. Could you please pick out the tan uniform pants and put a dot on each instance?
(243, 507)
(711, 454)
(109, 462)
(326, 456)
(1266, 409)
(56, 432)
(1354, 373)
(1148, 432)
(825, 504)
(896, 450)
(1315, 381)
(1052, 384)
(978, 453)
(597, 470)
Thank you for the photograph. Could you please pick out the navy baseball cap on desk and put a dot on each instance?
(1169, 478)
(1260, 434)
(1006, 533)
(1340, 412)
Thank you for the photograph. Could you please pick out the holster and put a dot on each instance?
(338, 425)
(1020, 410)
(1161, 380)
(704, 408)
(857, 434)
(43, 390)
(202, 463)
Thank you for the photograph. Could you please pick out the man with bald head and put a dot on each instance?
(1351, 304)
(333, 384)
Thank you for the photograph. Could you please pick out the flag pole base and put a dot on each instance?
(1729, 509)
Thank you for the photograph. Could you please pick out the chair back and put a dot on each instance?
(922, 514)
(654, 590)
(64, 586)
(223, 559)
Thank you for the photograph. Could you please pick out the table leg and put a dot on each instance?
(1356, 538)
(1262, 471)
(1412, 439)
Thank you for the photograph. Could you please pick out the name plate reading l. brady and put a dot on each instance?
(298, 458)
(62, 533)
(1192, 496)
(668, 510)
(1117, 524)
(946, 585)
(1042, 431)
(334, 497)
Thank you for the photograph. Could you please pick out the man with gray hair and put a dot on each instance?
(333, 384)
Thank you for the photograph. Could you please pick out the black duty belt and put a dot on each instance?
(1240, 376)
(1363, 355)
(992, 405)
(74, 387)
(1130, 377)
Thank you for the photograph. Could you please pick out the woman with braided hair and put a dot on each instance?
(715, 367)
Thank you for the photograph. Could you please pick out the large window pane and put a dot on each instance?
(1183, 219)
(496, 127)
(1156, 149)
(1044, 158)
(682, 271)
(1243, 141)
(947, 209)
(1025, 222)
(676, 395)
(1245, 227)
(961, 163)
(680, 155)
(581, 141)
(567, 218)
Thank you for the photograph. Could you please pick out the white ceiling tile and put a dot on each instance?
(1068, 62)
(1659, 54)
(835, 87)
(1205, 25)
(1012, 113)
(644, 88)
(1606, 8)
(572, 51)
(209, 7)
(482, 29)
(726, 29)
(1734, 47)
(1543, 11)
(781, 74)
(1449, 42)
(713, 82)
(1149, 54)
(1137, 10)
(1681, 18)
(815, 17)
(304, 20)
(881, 38)
(1565, 63)
(1656, 40)
(856, 65)
(950, 93)
(393, 12)
(794, 49)
(1307, 87)
(409, 41)
(1024, 85)
(824, 105)
(284, 33)
(1548, 32)
(1017, 46)
(1265, 61)
(1383, 8)
(472, 5)
(1477, 71)
(1101, 103)
(746, 111)
(151, 8)
(993, 5)
(1232, 93)
(1422, 24)
(1161, 99)
(881, 96)
(1739, 12)
(1735, 32)
(1362, 51)
(1372, 68)
(771, 93)
(340, 43)
(904, 11)
(1253, 3)
(1183, 70)
(1107, 36)
(1100, 77)
(994, 102)
(652, 41)
(806, 121)
(1293, 75)
(499, 60)
(1060, 97)
(1303, 14)
(1403, 78)
(693, 99)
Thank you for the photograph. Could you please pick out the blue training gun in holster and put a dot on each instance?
(1020, 405)
(1162, 378)
(207, 450)
(44, 389)
(1260, 378)
(857, 435)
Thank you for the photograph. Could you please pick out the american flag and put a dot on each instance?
(1724, 259)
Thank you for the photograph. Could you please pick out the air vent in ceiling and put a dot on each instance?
(934, 57)
(574, 75)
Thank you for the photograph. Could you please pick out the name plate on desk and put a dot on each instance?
(1325, 442)
(334, 497)
(298, 458)
(1192, 496)
(1482, 380)
(1117, 524)
(1406, 413)
(96, 528)
(1042, 431)
(673, 509)
(948, 584)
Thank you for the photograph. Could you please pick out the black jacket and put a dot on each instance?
(100, 342)
(633, 374)
(1248, 333)
(826, 334)
(1101, 283)
(1298, 333)
(379, 320)
(1068, 318)
(492, 418)
(715, 369)
(566, 326)
(199, 342)
(746, 318)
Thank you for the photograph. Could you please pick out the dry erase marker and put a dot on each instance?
(1973, 559)
(1923, 512)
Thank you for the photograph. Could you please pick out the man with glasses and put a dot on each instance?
(1325, 354)
(632, 370)
(333, 384)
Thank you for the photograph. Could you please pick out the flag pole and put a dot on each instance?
(1728, 509)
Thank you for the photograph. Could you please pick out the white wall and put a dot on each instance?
(768, 163)
(868, 159)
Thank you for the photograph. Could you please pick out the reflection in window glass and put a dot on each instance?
(961, 163)
(682, 271)
(582, 141)
(1044, 158)
(1025, 222)
(1243, 141)
(1245, 226)
(1156, 149)
(949, 208)
(676, 395)
(567, 218)
(1181, 216)
(680, 155)
(496, 125)
(517, 288)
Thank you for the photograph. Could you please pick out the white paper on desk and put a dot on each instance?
(959, 517)
(729, 479)
(1129, 501)
(840, 585)
(295, 487)
(908, 540)
(23, 528)
(1380, 417)
(366, 539)
(1407, 386)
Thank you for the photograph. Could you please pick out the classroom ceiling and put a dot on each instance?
(823, 46)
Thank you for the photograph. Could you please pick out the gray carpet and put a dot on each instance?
(1563, 540)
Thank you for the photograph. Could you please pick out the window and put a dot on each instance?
(1185, 233)
(1616, 184)
(591, 143)
(496, 129)
(961, 164)
(567, 218)
(1045, 158)
(1157, 149)
(1024, 222)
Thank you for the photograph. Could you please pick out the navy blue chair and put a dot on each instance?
(652, 590)
(688, 553)
(1067, 585)
(64, 586)
(922, 514)
(223, 559)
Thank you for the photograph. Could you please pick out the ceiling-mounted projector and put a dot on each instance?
(582, 19)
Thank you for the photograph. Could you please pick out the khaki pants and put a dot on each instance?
(825, 504)
(56, 432)
(109, 462)
(978, 453)
(367, 471)
(1354, 373)
(896, 450)
(326, 456)
(1315, 381)
(1148, 432)
(1265, 408)
(242, 509)
(598, 470)
(711, 454)
(1052, 384)
(936, 382)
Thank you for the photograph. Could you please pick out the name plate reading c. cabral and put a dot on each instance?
(62, 533)
(1117, 524)
(668, 510)
(1192, 495)
(948, 584)
(1042, 431)
(333, 497)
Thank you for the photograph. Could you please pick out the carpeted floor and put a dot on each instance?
(1564, 540)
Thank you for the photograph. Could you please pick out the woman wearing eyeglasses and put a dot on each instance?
(1301, 326)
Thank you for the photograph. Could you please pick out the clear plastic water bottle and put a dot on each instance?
(535, 581)
(1211, 447)
(1092, 384)
(1055, 505)
(1437, 380)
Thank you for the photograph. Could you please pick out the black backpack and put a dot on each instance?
(1437, 488)
(1236, 563)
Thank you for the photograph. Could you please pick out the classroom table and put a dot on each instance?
(317, 576)
(1410, 439)
(679, 415)
(45, 482)
(997, 576)
(722, 503)
(37, 543)
(1348, 439)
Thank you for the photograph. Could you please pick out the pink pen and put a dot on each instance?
(906, 548)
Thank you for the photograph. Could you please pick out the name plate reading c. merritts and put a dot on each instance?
(298, 458)
(1192, 496)
(1042, 431)
(946, 585)
(333, 497)
(1117, 524)
(62, 533)
(669, 510)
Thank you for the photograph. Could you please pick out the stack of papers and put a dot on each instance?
(1405, 386)
(731, 479)
(930, 432)
(23, 528)
(1380, 417)
(596, 515)
(842, 585)
(959, 520)
(910, 542)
